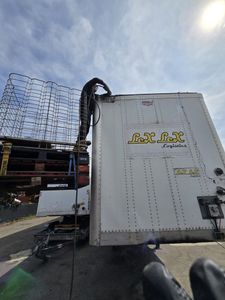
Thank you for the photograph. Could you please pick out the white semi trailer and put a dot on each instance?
(158, 171)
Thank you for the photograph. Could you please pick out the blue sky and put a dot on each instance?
(136, 46)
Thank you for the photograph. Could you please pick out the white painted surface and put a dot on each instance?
(62, 202)
(153, 155)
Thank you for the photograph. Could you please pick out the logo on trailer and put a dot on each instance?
(151, 138)
(147, 102)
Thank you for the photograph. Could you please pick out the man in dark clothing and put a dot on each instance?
(87, 105)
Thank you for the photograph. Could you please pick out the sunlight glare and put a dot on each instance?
(213, 15)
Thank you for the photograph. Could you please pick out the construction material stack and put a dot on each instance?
(39, 124)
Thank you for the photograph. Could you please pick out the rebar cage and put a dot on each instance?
(31, 108)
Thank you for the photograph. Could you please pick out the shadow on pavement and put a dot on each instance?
(100, 272)
(18, 241)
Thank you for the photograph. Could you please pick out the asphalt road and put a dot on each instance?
(100, 273)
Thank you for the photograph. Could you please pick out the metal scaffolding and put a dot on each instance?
(42, 110)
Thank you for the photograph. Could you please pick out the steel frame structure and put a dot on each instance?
(31, 108)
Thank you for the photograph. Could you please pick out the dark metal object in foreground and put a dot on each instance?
(57, 233)
(207, 282)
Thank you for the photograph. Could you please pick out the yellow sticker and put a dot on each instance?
(194, 172)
